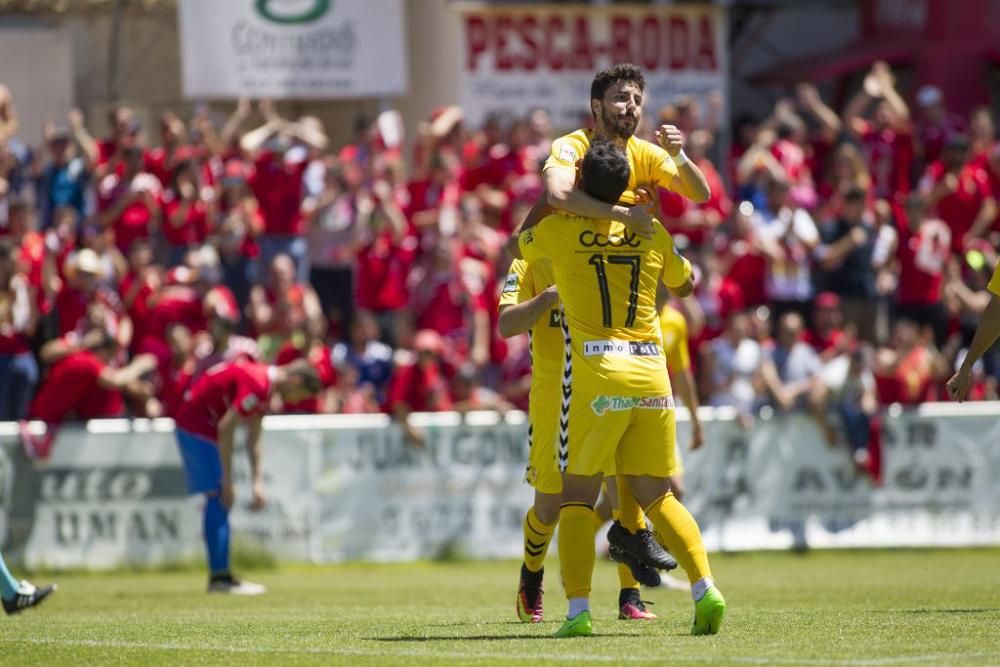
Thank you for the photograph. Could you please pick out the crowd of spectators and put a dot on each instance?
(842, 258)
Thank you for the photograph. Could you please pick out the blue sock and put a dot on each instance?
(8, 584)
(217, 535)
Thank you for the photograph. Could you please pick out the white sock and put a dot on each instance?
(700, 587)
(576, 605)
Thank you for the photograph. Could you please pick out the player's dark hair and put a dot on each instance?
(305, 374)
(620, 73)
(605, 172)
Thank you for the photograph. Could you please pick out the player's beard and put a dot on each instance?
(617, 126)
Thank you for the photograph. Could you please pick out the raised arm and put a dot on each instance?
(232, 125)
(689, 182)
(810, 100)
(88, 147)
(855, 109)
(887, 86)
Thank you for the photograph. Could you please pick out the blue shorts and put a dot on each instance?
(202, 464)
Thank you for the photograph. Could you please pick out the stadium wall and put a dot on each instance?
(348, 488)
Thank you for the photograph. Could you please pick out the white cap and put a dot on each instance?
(87, 261)
(928, 96)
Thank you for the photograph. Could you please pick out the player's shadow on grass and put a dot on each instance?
(488, 638)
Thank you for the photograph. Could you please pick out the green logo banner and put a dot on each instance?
(267, 9)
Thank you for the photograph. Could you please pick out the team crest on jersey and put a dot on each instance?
(528, 237)
(567, 153)
(249, 403)
(510, 285)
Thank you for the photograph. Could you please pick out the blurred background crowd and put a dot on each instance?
(842, 259)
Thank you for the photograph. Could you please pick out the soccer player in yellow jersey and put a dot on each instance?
(674, 330)
(986, 334)
(529, 303)
(619, 413)
(616, 96)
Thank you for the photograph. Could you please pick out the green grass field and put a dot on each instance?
(831, 608)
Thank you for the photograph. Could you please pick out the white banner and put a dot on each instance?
(517, 58)
(778, 485)
(348, 488)
(463, 494)
(292, 48)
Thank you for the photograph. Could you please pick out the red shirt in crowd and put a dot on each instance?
(193, 230)
(960, 208)
(982, 161)
(278, 188)
(174, 383)
(32, 258)
(421, 387)
(427, 196)
(72, 388)
(11, 341)
(909, 382)
(172, 305)
(72, 305)
(888, 154)
(138, 294)
(446, 303)
(159, 164)
(243, 386)
(934, 136)
(134, 222)
(383, 266)
(320, 356)
(747, 270)
(675, 207)
(822, 343)
(922, 259)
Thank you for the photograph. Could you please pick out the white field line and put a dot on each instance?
(944, 658)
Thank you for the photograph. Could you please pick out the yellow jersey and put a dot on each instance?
(607, 279)
(648, 163)
(994, 284)
(526, 280)
(674, 329)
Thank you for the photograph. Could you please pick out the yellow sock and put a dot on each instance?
(625, 577)
(681, 535)
(537, 536)
(576, 548)
(629, 511)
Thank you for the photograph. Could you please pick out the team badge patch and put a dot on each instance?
(510, 285)
(567, 153)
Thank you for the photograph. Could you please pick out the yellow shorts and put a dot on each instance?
(543, 426)
(619, 435)
(678, 462)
